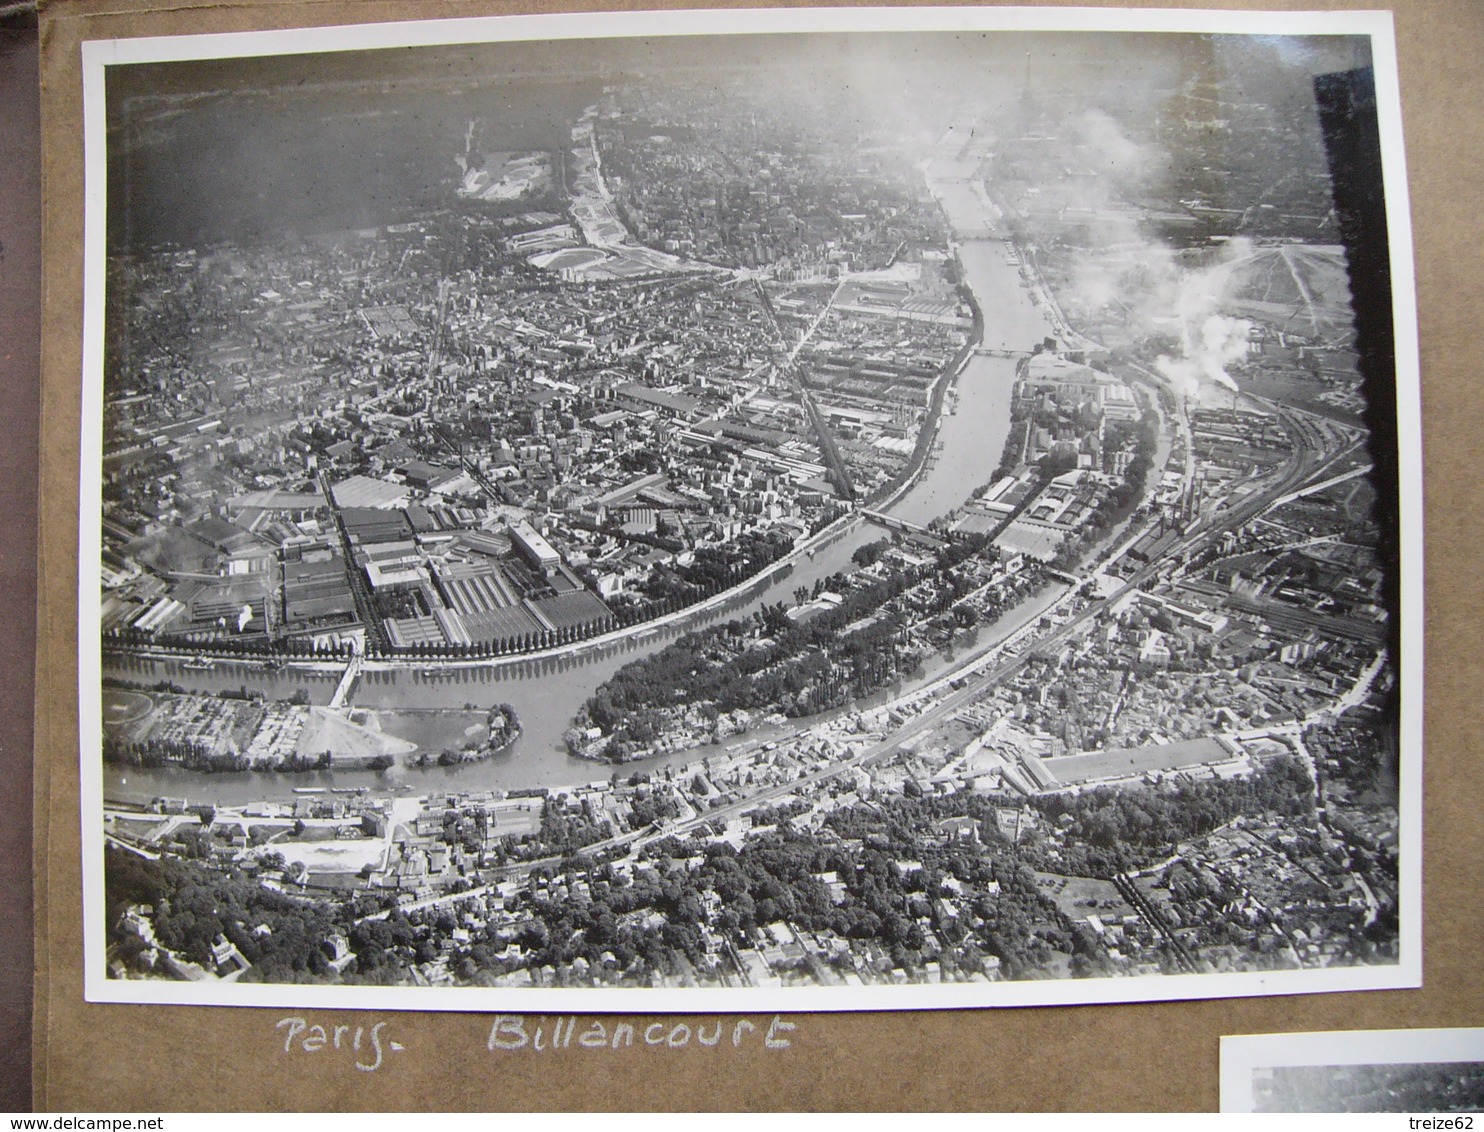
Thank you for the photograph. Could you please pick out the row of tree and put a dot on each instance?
(1110, 830)
(772, 662)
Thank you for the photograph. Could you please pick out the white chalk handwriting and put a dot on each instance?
(511, 1032)
(365, 1046)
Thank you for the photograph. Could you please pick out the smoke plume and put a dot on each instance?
(1209, 340)
(1126, 276)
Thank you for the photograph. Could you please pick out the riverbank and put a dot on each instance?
(549, 688)
(775, 571)
(923, 673)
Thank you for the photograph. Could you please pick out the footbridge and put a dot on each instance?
(892, 523)
(347, 682)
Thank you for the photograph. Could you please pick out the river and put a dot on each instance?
(546, 693)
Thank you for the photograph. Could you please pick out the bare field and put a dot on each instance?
(1303, 287)
(329, 731)
(433, 730)
(1080, 897)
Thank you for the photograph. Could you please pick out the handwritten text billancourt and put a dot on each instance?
(517, 1032)
(367, 1046)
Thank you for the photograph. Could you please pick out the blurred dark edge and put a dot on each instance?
(1352, 139)
(20, 388)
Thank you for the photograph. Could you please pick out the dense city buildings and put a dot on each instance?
(755, 531)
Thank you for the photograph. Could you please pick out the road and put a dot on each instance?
(832, 458)
(1313, 456)
(1304, 465)
(365, 608)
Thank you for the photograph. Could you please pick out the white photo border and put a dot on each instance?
(98, 55)
(1243, 1054)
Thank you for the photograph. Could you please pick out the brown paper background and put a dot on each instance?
(1160, 1056)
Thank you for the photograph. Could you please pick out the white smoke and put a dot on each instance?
(1124, 276)
(1210, 340)
(1113, 153)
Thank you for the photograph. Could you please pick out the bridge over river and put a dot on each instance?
(894, 523)
(548, 693)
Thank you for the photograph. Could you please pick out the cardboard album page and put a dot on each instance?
(617, 550)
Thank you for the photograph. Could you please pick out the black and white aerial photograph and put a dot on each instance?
(836, 511)
(1425, 1087)
(1435, 1071)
